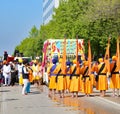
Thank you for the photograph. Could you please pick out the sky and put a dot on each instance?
(17, 17)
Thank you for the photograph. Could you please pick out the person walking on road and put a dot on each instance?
(115, 77)
(87, 86)
(102, 82)
(74, 79)
(1, 73)
(20, 65)
(25, 75)
(30, 78)
(68, 73)
(52, 72)
(36, 73)
(61, 79)
(13, 74)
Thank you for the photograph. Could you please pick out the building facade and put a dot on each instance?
(48, 9)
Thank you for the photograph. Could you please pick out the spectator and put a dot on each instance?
(25, 75)
(7, 73)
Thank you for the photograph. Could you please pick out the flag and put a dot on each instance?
(64, 57)
(118, 53)
(107, 56)
(44, 51)
(77, 64)
(10, 58)
(89, 58)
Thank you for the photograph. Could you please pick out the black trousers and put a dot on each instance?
(13, 78)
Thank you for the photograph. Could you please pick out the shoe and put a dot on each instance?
(24, 94)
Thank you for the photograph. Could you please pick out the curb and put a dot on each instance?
(109, 101)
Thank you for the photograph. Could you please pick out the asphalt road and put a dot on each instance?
(38, 102)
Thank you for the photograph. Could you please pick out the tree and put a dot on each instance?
(34, 32)
(93, 20)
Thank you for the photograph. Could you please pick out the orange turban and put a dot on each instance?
(114, 58)
(4, 62)
(74, 61)
(100, 60)
(35, 61)
(20, 60)
(60, 60)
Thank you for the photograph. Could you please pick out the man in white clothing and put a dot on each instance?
(7, 73)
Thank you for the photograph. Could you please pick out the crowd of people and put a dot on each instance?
(20, 72)
(74, 78)
(77, 78)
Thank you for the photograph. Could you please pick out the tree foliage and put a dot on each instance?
(88, 19)
(31, 46)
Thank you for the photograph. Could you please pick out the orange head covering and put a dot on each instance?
(4, 62)
(20, 60)
(74, 61)
(35, 61)
(60, 60)
(114, 58)
(100, 60)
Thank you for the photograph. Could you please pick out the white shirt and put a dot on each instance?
(20, 68)
(6, 70)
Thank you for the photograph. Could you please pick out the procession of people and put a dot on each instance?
(65, 75)
(83, 76)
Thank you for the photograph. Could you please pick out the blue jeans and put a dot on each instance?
(28, 88)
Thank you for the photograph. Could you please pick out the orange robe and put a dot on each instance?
(31, 77)
(61, 80)
(94, 69)
(102, 83)
(74, 84)
(115, 78)
(52, 77)
(68, 77)
(87, 86)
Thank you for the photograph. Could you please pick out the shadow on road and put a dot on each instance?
(5, 91)
(34, 92)
(6, 100)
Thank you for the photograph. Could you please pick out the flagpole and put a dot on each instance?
(107, 56)
(77, 51)
(118, 52)
(64, 57)
(89, 57)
